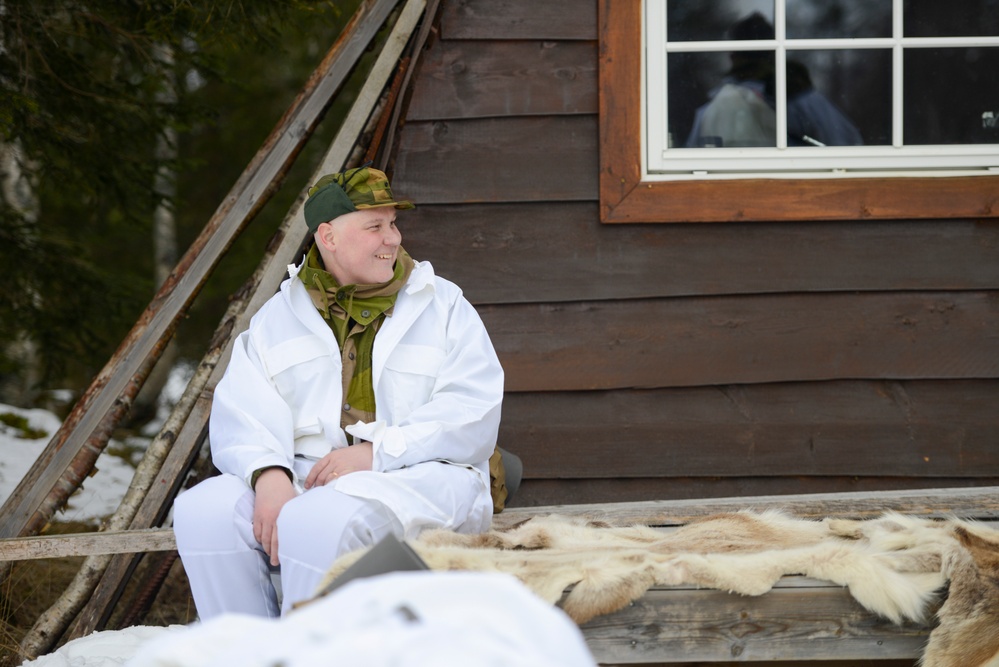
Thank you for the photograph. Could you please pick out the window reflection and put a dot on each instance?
(740, 109)
(855, 82)
(935, 18)
(948, 94)
(709, 20)
(838, 93)
(835, 19)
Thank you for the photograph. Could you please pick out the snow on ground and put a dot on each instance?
(102, 492)
(110, 648)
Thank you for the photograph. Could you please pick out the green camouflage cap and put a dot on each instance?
(344, 192)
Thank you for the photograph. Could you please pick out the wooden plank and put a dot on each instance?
(547, 251)
(162, 539)
(790, 622)
(845, 428)
(494, 160)
(470, 79)
(519, 19)
(974, 503)
(537, 492)
(744, 340)
(87, 544)
(45, 488)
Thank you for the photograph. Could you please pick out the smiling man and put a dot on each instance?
(363, 400)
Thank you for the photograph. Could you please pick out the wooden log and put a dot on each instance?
(559, 251)
(519, 19)
(538, 492)
(70, 454)
(745, 340)
(800, 619)
(847, 428)
(482, 79)
(87, 544)
(974, 503)
(498, 160)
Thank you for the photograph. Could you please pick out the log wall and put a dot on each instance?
(657, 361)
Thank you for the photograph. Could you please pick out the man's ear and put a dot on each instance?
(326, 236)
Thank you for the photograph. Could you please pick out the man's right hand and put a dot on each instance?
(273, 490)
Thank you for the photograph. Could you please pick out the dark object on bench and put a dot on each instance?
(389, 555)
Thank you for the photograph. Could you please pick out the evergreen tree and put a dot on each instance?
(87, 103)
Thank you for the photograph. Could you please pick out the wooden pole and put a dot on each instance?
(974, 503)
(980, 503)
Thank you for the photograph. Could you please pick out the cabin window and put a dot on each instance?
(813, 86)
(859, 102)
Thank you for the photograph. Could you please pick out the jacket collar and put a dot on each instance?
(413, 299)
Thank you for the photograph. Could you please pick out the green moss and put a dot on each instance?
(21, 425)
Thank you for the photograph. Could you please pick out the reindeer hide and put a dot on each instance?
(895, 566)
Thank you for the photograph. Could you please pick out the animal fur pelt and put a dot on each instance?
(896, 566)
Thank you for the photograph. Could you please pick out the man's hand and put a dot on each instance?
(273, 490)
(340, 462)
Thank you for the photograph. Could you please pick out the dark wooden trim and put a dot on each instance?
(845, 428)
(702, 341)
(625, 197)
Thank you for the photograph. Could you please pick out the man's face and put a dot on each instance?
(360, 248)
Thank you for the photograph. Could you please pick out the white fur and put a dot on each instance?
(894, 566)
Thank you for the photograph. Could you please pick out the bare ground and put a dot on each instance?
(33, 586)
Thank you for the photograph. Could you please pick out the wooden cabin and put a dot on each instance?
(697, 338)
(687, 339)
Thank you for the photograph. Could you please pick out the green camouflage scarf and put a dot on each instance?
(354, 314)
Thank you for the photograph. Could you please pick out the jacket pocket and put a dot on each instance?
(292, 352)
(416, 359)
(410, 375)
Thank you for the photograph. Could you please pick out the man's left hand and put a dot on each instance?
(340, 462)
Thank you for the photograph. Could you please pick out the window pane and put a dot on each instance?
(936, 18)
(708, 20)
(721, 99)
(839, 97)
(827, 19)
(947, 94)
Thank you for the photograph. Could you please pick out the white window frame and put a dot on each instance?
(663, 162)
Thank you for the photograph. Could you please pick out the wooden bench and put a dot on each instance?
(800, 619)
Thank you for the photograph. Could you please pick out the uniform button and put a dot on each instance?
(365, 313)
(350, 355)
(341, 294)
(346, 407)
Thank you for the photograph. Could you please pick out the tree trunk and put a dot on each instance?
(164, 238)
(18, 193)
